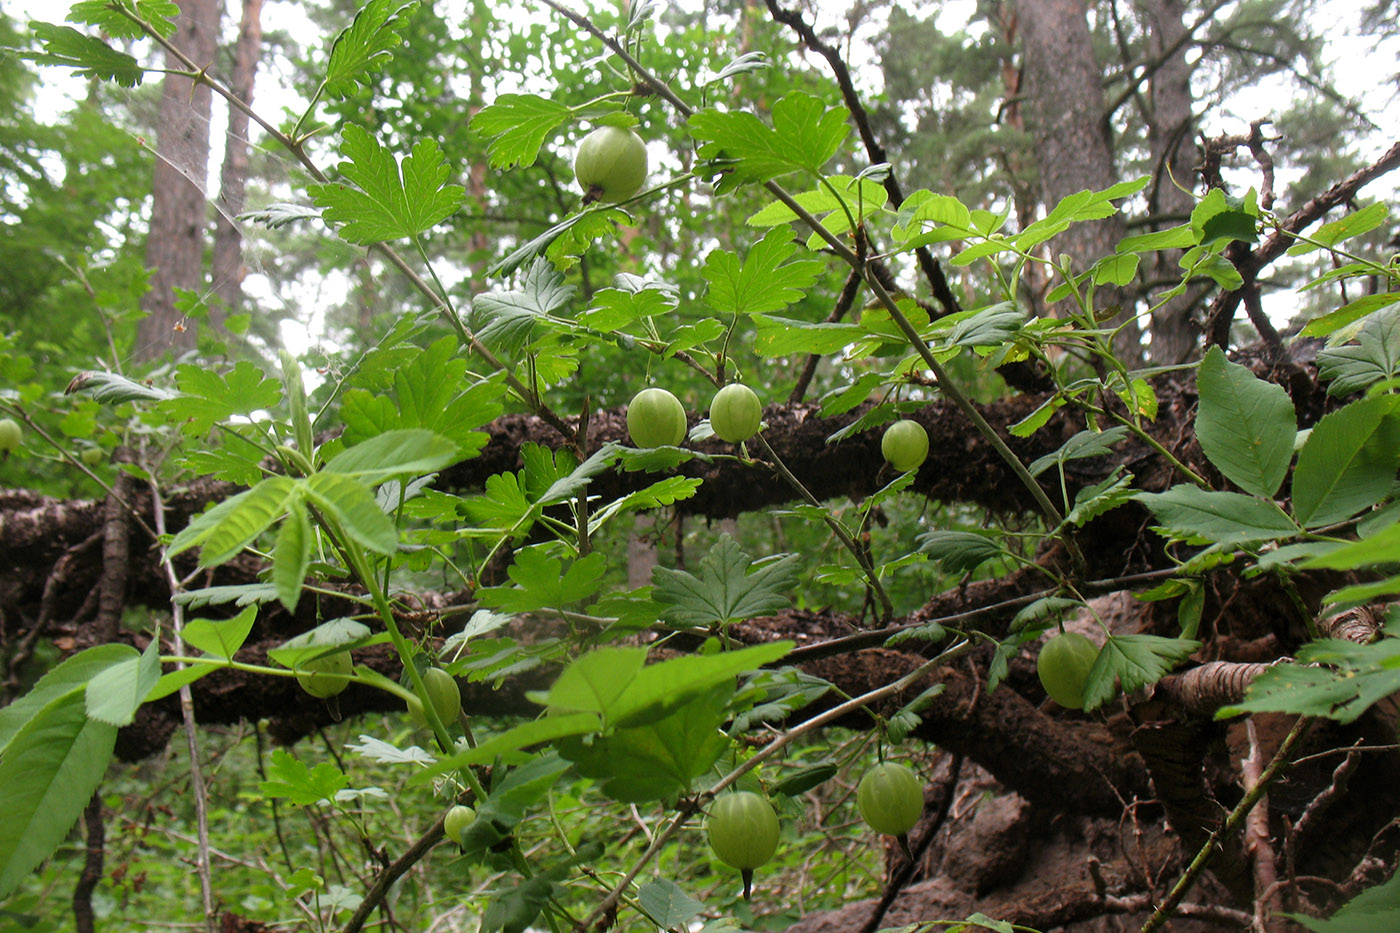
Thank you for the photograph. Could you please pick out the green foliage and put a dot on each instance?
(348, 471)
(1246, 426)
(390, 200)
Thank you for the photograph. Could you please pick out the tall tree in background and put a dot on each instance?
(175, 249)
(1172, 142)
(227, 263)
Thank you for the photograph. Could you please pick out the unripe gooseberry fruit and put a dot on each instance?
(445, 694)
(328, 676)
(611, 163)
(1064, 665)
(655, 418)
(735, 413)
(905, 445)
(890, 799)
(93, 456)
(457, 821)
(10, 435)
(743, 832)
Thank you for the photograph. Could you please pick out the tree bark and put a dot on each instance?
(1073, 142)
(175, 249)
(233, 178)
(1170, 133)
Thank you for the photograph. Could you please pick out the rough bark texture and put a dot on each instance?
(227, 262)
(1170, 125)
(175, 249)
(1065, 113)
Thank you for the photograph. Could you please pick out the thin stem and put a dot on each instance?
(1232, 823)
(197, 787)
(689, 808)
(838, 529)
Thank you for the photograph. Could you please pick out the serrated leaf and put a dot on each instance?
(395, 453)
(353, 506)
(364, 45)
(1336, 679)
(158, 14)
(1182, 237)
(959, 551)
(1349, 461)
(429, 391)
(291, 556)
(541, 582)
(115, 694)
(48, 774)
(724, 591)
(505, 319)
(231, 525)
(1133, 662)
(667, 904)
(389, 200)
(780, 336)
(1081, 446)
(1229, 518)
(991, 326)
(1374, 357)
(70, 675)
(1354, 224)
(517, 125)
(65, 46)
(764, 281)
(1245, 425)
(805, 134)
(206, 397)
(659, 759)
(221, 638)
(289, 778)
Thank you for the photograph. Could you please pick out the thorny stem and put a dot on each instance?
(838, 529)
(768, 751)
(201, 807)
(1232, 823)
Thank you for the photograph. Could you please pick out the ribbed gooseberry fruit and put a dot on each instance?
(890, 798)
(655, 418)
(905, 445)
(93, 456)
(445, 694)
(611, 164)
(456, 822)
(743, 832)
(735, 413)
(328, 675)
(1064, 665)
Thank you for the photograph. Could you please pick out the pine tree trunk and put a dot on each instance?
(228, 238)
(175, 249)
(1064, 111)
(1170, 132)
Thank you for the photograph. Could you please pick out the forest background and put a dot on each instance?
(1129, 265)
